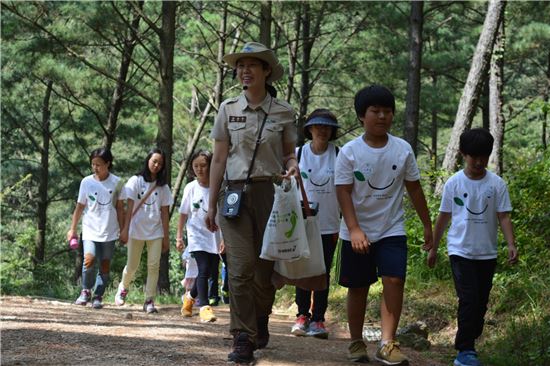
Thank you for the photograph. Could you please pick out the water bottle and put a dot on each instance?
(73, 243)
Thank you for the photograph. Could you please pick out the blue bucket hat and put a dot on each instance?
(321, 120)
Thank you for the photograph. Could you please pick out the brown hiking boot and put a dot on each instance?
(262, 338)
(243, 349)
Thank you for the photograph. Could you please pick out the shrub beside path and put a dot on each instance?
(38, 331)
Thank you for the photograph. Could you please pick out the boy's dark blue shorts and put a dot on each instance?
(387, 257)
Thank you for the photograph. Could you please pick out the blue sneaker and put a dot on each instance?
(466, 358)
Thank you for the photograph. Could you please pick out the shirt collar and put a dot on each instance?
(243, 103)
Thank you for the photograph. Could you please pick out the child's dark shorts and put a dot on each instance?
(387, 257)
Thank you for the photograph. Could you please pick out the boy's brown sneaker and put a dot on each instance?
(357, 351)
(390, 354)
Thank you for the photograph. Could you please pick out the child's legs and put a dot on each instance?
(204, 262)
(213, 291)
(134, 247)
(391, 260)
(485, 271)
(88, 267)
(154, 251)
(104, 255)
(357, 273)
(303, 300)
(467, 290)
(320, 298)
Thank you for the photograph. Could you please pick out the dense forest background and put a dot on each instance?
(132, 75)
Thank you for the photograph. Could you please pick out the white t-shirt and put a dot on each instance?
(194, 204)
(99, 222)
(378, 176)
(146, 224)
(318, 176)
(473, 205)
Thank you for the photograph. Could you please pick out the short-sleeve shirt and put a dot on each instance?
(318, 176)
(473, 204)
(378, 176)
(146, 224)
(194, 204)
(239, 124)
(99, 222)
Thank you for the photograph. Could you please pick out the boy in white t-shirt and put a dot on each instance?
(372, 172)
(474, 200)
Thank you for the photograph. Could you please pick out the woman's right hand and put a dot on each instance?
(210, 219)
(123, 236)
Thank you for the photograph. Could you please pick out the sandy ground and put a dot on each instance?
(37, 331)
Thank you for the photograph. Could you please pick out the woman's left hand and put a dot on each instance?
(292, 171)
(165, 244)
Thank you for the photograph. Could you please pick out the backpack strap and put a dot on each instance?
(300, 153)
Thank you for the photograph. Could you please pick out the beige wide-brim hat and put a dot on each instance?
(259, 51)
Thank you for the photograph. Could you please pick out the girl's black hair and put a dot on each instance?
(207, 155)
(104, 154)
(161, 175)
(476, 142)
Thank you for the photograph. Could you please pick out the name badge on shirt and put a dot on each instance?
(237, 119)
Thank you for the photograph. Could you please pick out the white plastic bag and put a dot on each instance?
(306, 273)
(285, 234)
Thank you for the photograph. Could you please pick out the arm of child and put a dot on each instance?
(508, 231)
(419, 202)
(127, 218)
(76, 218)
(120, 213)
(359, 241)
(440, 225)
(180, 245)
(165, 218)
(217, 169)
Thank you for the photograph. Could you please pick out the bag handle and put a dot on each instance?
(307, 209)
(144, 198)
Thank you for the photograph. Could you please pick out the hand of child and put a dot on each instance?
(123, 237)
(512, 254)
(70, 234)
(428, 239)
(180, 245)
(222, 247)
(432, 257)
(210, 220)
(165, 244)
(359, 241)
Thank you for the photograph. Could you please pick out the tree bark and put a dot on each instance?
(434, 129)
(293, 55)
(470, 96)
(42, 208)
(546, 106)
(265, 23)
(413, 83)
(496, 115)
(118, 94)
(306, 63)
(166, 110)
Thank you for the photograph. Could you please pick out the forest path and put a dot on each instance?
(38, 331)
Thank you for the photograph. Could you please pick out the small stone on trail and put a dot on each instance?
(128, 316)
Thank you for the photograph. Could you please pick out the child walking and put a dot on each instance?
(372, 172)
(203, 244)
(317, 162)
(149, 200)
(475, 200)
(99, 200)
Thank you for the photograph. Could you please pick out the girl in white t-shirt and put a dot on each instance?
(149, 199)
(98, 200)
(317, 161)
(203, 244)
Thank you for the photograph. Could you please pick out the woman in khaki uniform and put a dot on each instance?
(235, 133)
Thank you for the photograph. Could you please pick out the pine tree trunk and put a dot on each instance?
(42, 215)
(413, 83)
(166, 110)
(470, 96)
(496, 115)
(265, 23)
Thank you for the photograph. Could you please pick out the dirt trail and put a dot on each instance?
(50, 332)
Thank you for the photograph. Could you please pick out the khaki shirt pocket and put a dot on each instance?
(273, 132)
(236, 132)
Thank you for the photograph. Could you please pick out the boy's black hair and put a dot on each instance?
(476, 142)
(207, 155)
(373, 95)
(146, 173)
(104, 154)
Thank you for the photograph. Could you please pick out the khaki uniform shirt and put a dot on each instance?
(239, 124)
